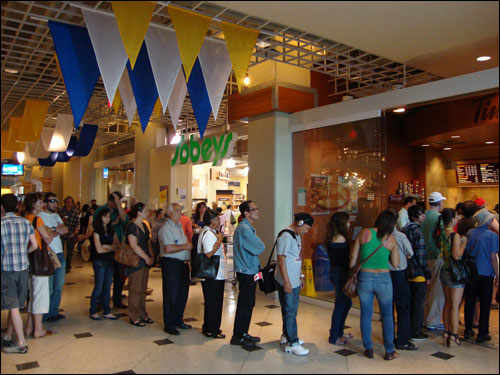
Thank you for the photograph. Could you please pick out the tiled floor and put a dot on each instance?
(83, 345)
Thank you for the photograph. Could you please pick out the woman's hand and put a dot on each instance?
(148, 260)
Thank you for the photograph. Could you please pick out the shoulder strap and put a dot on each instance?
(35, 219)
(291, 232)
(373, 253)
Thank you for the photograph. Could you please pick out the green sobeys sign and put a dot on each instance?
(210, 149)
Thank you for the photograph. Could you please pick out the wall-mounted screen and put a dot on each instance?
(105, 173)
(12, 170)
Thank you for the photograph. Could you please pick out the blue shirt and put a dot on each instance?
(482, 243)
(247, 248)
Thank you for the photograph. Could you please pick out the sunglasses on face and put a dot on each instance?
(52, 200)
(254, 209)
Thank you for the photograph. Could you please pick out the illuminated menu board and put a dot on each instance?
(477, 173)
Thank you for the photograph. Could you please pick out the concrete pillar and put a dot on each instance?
(270, 174)
(88, 177)
(153, 137)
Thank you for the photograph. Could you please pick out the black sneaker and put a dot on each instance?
(469, 334)
(421, 337)
(247, 337)
(481, 339)
(242, 342)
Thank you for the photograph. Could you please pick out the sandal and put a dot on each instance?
(148, 320)
(341, 341)
(390, 356)
(111, 317)
(348, 336)
(216, 335)
(138, 323)
(454, 337)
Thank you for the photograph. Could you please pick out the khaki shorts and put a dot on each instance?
(14, 289)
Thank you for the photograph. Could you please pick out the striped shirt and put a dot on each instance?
(16, 233)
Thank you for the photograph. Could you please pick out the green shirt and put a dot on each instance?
(429, 227)
(119, 227)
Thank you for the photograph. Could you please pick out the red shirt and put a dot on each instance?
(187, 226)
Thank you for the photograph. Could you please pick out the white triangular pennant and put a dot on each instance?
(127, 95)
(177, 98)
(216, 66)
(108, 47)
(165, 60)
(28, 158)
(59, 139)
(36, 149)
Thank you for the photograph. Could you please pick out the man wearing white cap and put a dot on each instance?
(435, 297)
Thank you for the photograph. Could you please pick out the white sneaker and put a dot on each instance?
(284, 340)
(297, 350)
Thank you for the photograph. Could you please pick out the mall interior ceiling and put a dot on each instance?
(30, 71)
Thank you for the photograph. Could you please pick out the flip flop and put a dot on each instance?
(138, 323)
(148, 320)
(47, 333)
(390, 356)
(341, 341)
(348, 336)
(113, 317)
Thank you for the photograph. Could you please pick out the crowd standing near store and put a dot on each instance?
(409, 270)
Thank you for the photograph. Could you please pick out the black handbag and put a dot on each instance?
(266, 282)
(463, 271)
(204, 267)
(40, 261)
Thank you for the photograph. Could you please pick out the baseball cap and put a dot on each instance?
(436, 197)
(483, 217)
(480, 202)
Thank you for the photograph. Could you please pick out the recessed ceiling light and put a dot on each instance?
(425, 145)
(399, 110)
(455, 136)
(483, 58)
(447, 148)
(489, 142)
(262, 44)
(12, 71)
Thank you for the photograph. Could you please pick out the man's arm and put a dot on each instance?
(255, 244)
(121, 212)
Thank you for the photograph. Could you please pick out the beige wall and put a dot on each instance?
(159, 162)
(57, 179)
(272, 70)
(72, 181)
(444, 180)
(88, 177)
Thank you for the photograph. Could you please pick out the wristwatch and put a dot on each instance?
(302, 277)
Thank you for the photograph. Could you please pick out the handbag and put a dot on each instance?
(266, 282)
(463, 271)
(86, 252)
(126, 256)
(204, 267)
(40, 261)
(350, 288)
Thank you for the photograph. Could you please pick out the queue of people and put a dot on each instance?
(404, 263)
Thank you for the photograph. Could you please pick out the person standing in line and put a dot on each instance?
(56, 282)
(419, 275)
(103, 245)
(119, 219)
(403, 213)
(374, 279)
(38, 286)
(289, 280)
(156, 221)
(187, 225)
(210, 244)
(339, 250)
(18, 238)
(434, 303)
(483, 248)
(70, 218)
(174, 260)
(452, 246)
(247, 248)
(137, 235)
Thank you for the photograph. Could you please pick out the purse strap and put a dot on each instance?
(374, 251)
(292, 233)
(34, 223)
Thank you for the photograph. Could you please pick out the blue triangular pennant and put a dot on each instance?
(86, 140)
(78, 65)
(200, 100)
(47, 162)
(144, 86)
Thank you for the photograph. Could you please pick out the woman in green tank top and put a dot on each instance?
(374, 279)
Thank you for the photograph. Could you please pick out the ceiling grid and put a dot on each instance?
(27, 47)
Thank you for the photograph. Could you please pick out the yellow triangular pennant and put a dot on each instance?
(117, 101)
(5, 137)
(6, 154)
(12, 145)
(240, 42)
(157, 108)
(190, 28)
(133, 18)
(34, 117)
(16, 124)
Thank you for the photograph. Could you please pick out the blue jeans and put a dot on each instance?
(289, 306)
(379, 285)
(56, 284)
(103, 277)
(342, 305)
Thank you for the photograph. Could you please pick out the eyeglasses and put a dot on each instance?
(52, 200)
(254, 209)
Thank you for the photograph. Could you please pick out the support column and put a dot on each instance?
(88, 177)
(152, 138)
(270, 174)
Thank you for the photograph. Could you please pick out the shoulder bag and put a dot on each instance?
(462, 271)
(40, 261)
(350, 288)
(204, 267)
(126, 256)
(266, 283)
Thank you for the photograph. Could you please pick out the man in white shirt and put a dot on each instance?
(54, 222)
(403, 213)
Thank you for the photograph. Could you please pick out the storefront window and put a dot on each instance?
(338, 168)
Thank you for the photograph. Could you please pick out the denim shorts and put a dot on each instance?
(446, 280)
